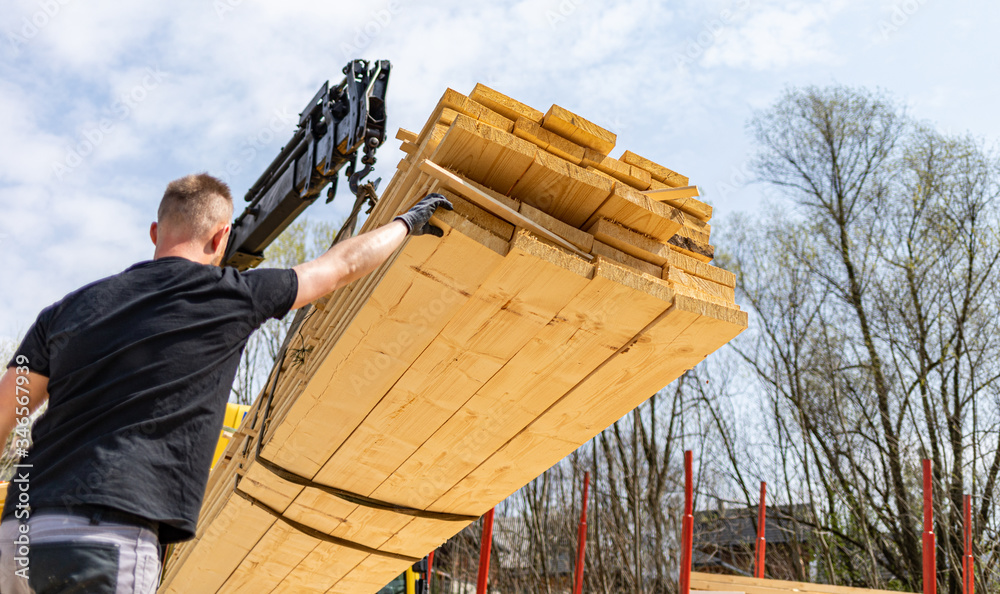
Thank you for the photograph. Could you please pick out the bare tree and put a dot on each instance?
(875, 328)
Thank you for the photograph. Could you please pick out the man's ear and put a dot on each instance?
(152, 232)
(220, 238)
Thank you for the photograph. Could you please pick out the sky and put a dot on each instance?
(104, 102)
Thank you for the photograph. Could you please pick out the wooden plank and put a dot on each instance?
(664, 194)
(604, 250)
(313, 573)
(406, 135)
(241, 525)
(694, 234)
(484, 154)
(561, 189)
(689, 289)
(675, 342)
(692, 206)
(553, 143)
(505, 312)
(630, 242)
(528, 258)
(474, 109)
(415, 299)
(486, 202)
(657, 171)
(262, 570)
(408, 147)
(452, 103)
(580, 239)
(630, 208)
(504, 105)
(692, 248)
(788, 586)
(432, 141)
(480, 217)
(578, 129)
(700, 269)
(634, 176)
(510, 401)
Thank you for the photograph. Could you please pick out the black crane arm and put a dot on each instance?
(337, 124)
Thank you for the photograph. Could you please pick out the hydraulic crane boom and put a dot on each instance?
(337, 124)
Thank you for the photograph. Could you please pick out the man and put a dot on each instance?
(137, 369)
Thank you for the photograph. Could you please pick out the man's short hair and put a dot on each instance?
(197, 203)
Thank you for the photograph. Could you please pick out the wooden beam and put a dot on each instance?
(657, 171)
(700, 269)
(550, 141)
(504, 105)
(689, 247)
(615, 255)
(405, 135)
(578, 129)
(674, 193)
(630, 208)
(487, 203)
(484, 154)
(634, 176)
(630, 242)
(775, 586)
(562, 189)
(580, 239)
(692, 206)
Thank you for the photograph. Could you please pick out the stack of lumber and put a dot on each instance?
(710, 582)
(568, 288)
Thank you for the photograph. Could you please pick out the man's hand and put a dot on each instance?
(355, 257)
(417, 218)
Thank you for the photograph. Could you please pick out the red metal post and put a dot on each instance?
(581, 537)
(761, 541)
(929, 558)
(687, 528)
(484, 553)
(968, 571)
(430, 572)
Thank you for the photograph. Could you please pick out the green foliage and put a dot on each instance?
(302, 241)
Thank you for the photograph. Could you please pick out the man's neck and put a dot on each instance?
(181, 251)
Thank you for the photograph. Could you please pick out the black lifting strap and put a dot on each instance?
(360, 499)
(322, 535)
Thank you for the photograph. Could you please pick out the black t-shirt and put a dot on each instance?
(140, 367)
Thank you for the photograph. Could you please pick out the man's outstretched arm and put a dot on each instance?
(20, 397)
(353, 258)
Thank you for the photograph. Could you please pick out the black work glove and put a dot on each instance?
(417, 218)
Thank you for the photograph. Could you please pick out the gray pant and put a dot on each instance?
(71, 554)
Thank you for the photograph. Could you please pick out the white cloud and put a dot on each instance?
(775, 38)
(227, 73)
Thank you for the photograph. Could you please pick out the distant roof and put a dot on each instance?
(738, 526)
